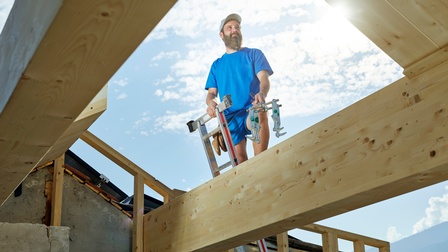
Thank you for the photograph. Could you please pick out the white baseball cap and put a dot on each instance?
(232, 16)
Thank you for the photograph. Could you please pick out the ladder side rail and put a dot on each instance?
(209, 151)
(227, 138)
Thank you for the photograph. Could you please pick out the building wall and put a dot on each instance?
(95, 225)
(33, 237)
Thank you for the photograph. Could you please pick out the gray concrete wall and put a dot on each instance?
(26, 237)
(95, 225)
(30, 206)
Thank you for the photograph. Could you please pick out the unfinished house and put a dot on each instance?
(56, 58)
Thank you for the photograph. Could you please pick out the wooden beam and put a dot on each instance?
(359, 246)
(137, 213)
(127, 164)
(388, 29)
(24, 29)
(58, 186)
(330, 242)
(434, 59)
(282, 242)
(346, 235)
(392, 142)
(87, 117)
(429, 17)
(56, 56)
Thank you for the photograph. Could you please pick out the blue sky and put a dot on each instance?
(321, 65)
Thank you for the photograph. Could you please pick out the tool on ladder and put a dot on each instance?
(222, 128)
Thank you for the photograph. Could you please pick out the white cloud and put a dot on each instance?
(166, 80)
(121, 82)
(193, 18)
(176, 122)
(166, 55)
(436, 212)
(122, 96)
(145, 117)
(393, 235)
(5, 8)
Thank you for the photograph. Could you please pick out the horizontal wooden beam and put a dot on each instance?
(55, 57)
(346, 235)
(434, 59)
(392, 142)
(127, 165)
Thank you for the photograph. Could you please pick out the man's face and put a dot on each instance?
(231, 35)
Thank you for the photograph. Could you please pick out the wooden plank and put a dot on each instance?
(282, 242)
(359, 246)
(56, 72)
(385, 249)
(89, 115)
(434, 59)
(430, 17)
(137, 213)
(392, 142)
(18, 44)
(346, 235)
(58, 185)
(330, 242)
(388, 29)
(127, 164)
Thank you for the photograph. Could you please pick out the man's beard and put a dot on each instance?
(233, 42)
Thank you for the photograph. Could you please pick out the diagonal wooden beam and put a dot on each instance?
(392, 142)
(55, 57)
(87, 117)
(128, 165)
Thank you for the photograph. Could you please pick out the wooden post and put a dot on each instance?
(329, 242)
(137, 228)
(358, 246)
(58, 185)
(384, 249)
(282, 242)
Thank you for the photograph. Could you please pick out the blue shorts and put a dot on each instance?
(237, 126)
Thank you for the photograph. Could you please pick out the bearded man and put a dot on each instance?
(244, 74)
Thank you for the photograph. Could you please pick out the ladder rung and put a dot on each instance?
(223, 166)
(211, 133)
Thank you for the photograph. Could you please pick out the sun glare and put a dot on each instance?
(335, 20)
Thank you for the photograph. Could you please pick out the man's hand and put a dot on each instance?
(210, 101)
(211, 107)
(259, 98)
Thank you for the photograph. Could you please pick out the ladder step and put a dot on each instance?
(222, 166)
(211, 133)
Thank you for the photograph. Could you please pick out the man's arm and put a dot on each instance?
(265, 84)
(210, 101)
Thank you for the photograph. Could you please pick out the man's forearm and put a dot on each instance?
(210, 98)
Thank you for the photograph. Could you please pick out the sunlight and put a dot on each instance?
(335, 22)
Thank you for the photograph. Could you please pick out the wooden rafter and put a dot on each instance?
(128, 165)
(56, 56)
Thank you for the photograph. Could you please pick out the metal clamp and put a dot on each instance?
(255, 120)
(276, 118)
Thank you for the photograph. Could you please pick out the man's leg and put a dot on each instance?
(263, 134)
(241, 151)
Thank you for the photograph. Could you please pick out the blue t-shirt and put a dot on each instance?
(236, 74)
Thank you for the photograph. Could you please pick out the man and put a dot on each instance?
(244, 74)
